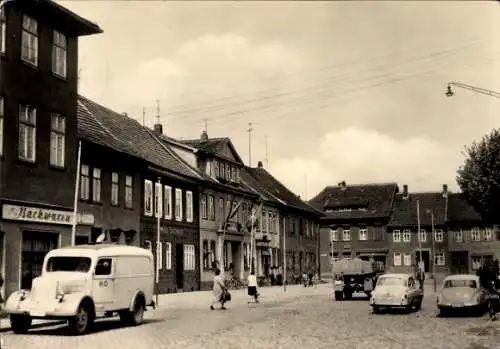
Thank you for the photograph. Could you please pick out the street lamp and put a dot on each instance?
(449, 92)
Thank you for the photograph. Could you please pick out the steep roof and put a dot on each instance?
(274, 188)
(459, 210)
(356, 201)
(222, 147)
(100, 125)
(404, 211)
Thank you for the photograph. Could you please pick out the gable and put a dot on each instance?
(226, 150)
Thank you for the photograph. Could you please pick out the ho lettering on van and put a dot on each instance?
(103, 283)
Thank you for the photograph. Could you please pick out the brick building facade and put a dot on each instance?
(354, 222)
(38, 103)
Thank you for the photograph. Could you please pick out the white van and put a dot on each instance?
(83, 282)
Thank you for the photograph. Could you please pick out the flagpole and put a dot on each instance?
(77, 190)
(284, 254)
(158, 237)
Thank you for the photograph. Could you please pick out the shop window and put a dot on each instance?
(35, 246)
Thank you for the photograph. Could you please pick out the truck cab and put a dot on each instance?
(81, 283)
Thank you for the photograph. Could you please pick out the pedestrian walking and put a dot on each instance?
(421, 278)
(253, 293)
(310, 277)
(219, 291)
(304, 279)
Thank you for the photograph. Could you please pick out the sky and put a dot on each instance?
(339, 91)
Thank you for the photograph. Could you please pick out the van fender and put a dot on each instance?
(137, 293)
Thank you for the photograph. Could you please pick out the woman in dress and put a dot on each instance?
(218, 290)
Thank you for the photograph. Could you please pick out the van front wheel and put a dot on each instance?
(135, 316)
(82, 321)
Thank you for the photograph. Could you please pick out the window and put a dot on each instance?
(438, 235)
(158, 199)
(216, 168)
(206, 255)
(27, 133)
(476, 262)
(475, 234)
(439, 258)
(203, 206)
(212, 253)
(57, 140)
(29, 46)
(148, 197)
(168, 255)
(406, 235)
(459, 236)
(221, 209)
(159, 255)
(222, 168)
(148, 246)
(189, 257)
(103, 266)
(228, 209)
(211, 207)
(1, 124)
(96, 185)
(363, 234)
(189, 206)
(407, 258)
(422, 235)
(3, 31)
(167, 204)
(59, 47)
(488, 234)
(35, 246)
(346, 235)
(129, 192)
(396, 236)
(115, 187)
(178, 204)
(84, 182)
(397, 259)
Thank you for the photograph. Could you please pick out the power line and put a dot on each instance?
(464, 44)
(234, 100)
(386, 78)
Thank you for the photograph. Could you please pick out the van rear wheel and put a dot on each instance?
(135, 316)
(20, 324)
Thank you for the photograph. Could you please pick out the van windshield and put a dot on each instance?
(78, 264)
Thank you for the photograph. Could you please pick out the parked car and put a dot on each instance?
(396, 291)
(462, 292)
(82, 282)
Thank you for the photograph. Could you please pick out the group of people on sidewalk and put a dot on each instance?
(221, 294)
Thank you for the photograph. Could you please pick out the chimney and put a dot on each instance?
(125, 114)
(445, 190)
(204, 136)
(158, 129)
(259, 164)
(342, 184)
(405, 191)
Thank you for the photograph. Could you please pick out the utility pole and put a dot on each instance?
(249, 130)
(420, 262)
(284, 254)
(267, 154)
(143, 116)
(433, 252)
(158, 111)
(205, 125)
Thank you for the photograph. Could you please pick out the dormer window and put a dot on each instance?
(222, 170)
(216, 168)
(208, 168)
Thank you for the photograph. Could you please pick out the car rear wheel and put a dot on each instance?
(339, 295)
(136, 315)
(20, 324)
(418, 304)
(376, 309)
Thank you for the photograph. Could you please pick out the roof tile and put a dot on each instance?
(404, 212)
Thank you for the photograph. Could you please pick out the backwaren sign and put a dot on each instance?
(43, 215)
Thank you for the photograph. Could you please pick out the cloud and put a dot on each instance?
(366, 156)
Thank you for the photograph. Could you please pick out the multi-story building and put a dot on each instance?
(110, 183)
(168, 191)
(286, 223)
(407, 245)
(354, 222)
(471, 240)
(224, 237)
(38, 133)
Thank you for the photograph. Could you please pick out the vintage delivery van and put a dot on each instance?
(80, 283)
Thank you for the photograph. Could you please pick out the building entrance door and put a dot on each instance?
(35, 246)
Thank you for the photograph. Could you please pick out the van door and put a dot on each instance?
(104, 284)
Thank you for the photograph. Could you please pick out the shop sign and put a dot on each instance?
(43, 215)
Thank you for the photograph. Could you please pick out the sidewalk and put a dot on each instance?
(198, 299)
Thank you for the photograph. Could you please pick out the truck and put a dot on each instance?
(352, 275)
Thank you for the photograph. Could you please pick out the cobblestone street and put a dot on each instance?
(302, 317)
